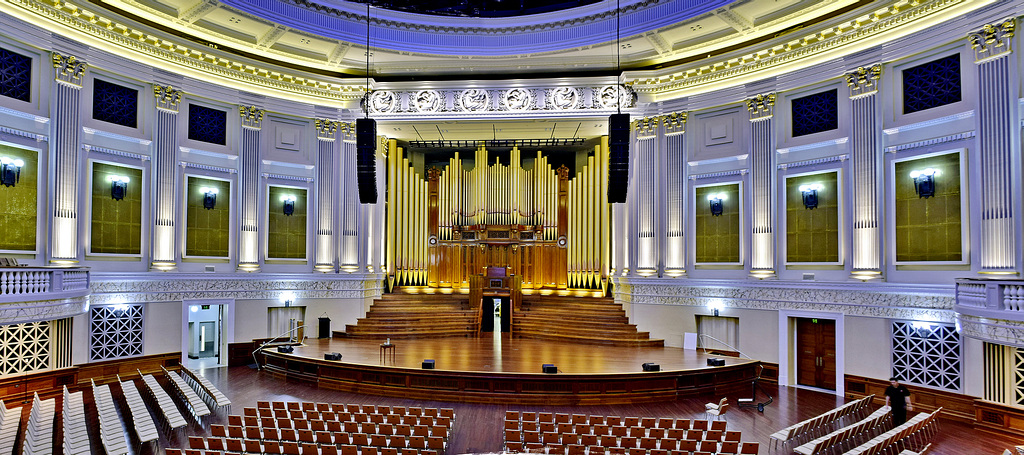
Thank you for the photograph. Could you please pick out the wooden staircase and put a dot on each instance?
(401, 315)
(586, 320)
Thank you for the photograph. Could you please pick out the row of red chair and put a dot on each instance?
(586, 419)
(303, 419)
(711, 448)
(308, 406)
(253, 431)
(336, 438)
(626, 442)
(294, 449)
(618, 430)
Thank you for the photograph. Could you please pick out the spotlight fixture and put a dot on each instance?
(924, 182)
(209, 197)
(288, 298)
(10, 170)
(118, 186)
(716, 306)
(715, 200)
(289, 204)
(810, 194)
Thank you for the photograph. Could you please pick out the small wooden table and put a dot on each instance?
(385, 349)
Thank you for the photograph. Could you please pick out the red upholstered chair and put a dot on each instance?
(576, 449)
(196, 442)
(349, 449)
(328, 450)
(729, 447)
(340, 437)
(310, 449)
(172, 451)
(388, 451)
(631, 421)
(218, 430)
(290, 448)
(253, 446)
(271, 447)
(213, 443)
(709, 446)
(749, 448)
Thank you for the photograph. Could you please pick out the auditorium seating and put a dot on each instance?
(581, 434)
(205, 389)
(76, 435)
(915, 432)
(172, 419)
(398, 315)
(561, 318)
(876, 423)
(112, 434)
(10, 424)
(142, 421)
(195, 405)
(815, 426)
(304, 428)
(40, 428)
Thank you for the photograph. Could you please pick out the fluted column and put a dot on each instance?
(64, 155)
(645, 176)
(249, 191)
(165, 182)
(674, 249)
(352, 253)
(864, 169)
(326, 142)
(998, 151)
(762, 185)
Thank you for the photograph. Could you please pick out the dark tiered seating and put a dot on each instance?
(399, 315)
(578, 319)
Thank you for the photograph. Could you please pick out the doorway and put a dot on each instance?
(205, 323)
(816, 353)
(497, 315)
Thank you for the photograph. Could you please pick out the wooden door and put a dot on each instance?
(816, 353)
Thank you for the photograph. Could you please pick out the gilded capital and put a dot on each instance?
(992, 40)
(325, 129)
(252, 116)
(68, 69)
(675, 122)
(647, 126)
(864, 80)
(761, 106)
(167, 98)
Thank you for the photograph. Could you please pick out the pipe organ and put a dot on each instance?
(448, 224)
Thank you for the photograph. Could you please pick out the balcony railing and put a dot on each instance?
(21, 284)
(1002, 299)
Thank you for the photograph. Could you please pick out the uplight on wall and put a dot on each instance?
(810, 194)
(924, 182)
(10, 170)
(209, 197)
(118, 186)
(288, 298)
(716, 306)
(289, 204)
(716, 202)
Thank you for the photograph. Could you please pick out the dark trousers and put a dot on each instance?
(899, 416)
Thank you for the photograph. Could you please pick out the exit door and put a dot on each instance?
(816, 353)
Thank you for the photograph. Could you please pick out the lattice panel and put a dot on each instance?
(15, 75)
(933, 84)
(927, 355)
(207, 125)
(1018, 375)
(115, 331)
(815, 113)
(115, 104)
(24, 347)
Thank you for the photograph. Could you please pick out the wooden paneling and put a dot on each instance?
(49, 384)
(955, 406)
(998, 417)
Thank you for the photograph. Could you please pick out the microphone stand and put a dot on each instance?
(755, 385)
(258, 367)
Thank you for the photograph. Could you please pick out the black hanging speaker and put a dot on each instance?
(618, 157)
(366, 163)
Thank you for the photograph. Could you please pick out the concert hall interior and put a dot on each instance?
(571, 207)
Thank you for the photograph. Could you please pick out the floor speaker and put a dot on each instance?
(618, 157)
(285, 349)
(651, 366)
(366, 160)
(714, 362)
(428, 364)
(549, 368)
(332, 356)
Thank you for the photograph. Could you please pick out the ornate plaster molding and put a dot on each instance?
(863, 81)
(167, 98)
(325, 129)
(761, 106)
(68, 69)
(501, 102)
(993, 40)
(252, 117)
(42, 310)
(998, 331)
(188, 286)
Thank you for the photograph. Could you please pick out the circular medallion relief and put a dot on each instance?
(427, 101)
(564, 98)
(607, 96)
(562, 242)
(517, 99)
(474, 99)
(384, 101)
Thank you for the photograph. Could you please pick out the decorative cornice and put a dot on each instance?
(43, 310)
(761, 106)
(830, 159)
(106, 151)
(712, 175)
(171, 287)
(998, 331)
(515, 101)
(929, 123)
(816, 145)
(24, 134)
(863, 81)
(252, 117)
(287, 177)
(68, 69)
(167, 98)
(932, 141)
(223, 170)
(120, 137)
(992, 40)
(325, 129)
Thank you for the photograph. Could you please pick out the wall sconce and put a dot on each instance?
(924, 182)
(716, 306)
(118, 186)
(810, 194)
(209, 197)
(715, 200)
(288, 298)
(289, 204)
(10, 170)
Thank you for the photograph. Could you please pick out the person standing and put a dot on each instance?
(897, 397)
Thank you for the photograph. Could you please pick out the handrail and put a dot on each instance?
(720, 341)
(258, 367)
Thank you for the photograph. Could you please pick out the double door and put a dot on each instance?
(816, 353)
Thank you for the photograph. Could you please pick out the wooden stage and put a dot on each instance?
(500, 369)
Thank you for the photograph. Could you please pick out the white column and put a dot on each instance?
(165, 181)
(998, 148)
(249, 191)
(352, 251)
(762, 185)
(645, 176)
(865, 147)
(64, 155)
(324, 256)
(674, 249)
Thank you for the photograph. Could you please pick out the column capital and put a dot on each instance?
(167, 98)
(68, 69)
(864, 80)
(675, 122)
(992, 40)
(761, 106)
(647, 126)
(252, 116)
(325, 129)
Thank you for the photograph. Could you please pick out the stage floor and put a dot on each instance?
(502, 354)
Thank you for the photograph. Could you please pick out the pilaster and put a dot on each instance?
(646, 188)
(326, 130)
(249, 194)
(865, 169)
(165, 182)
(64, 154)
(674, 252)
(762, 181)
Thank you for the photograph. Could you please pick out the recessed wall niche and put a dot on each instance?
(116, 224)
(717, 237)
(208, 213)
(812, 234)
(18, 202)
(928, 228)
(286, 229)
